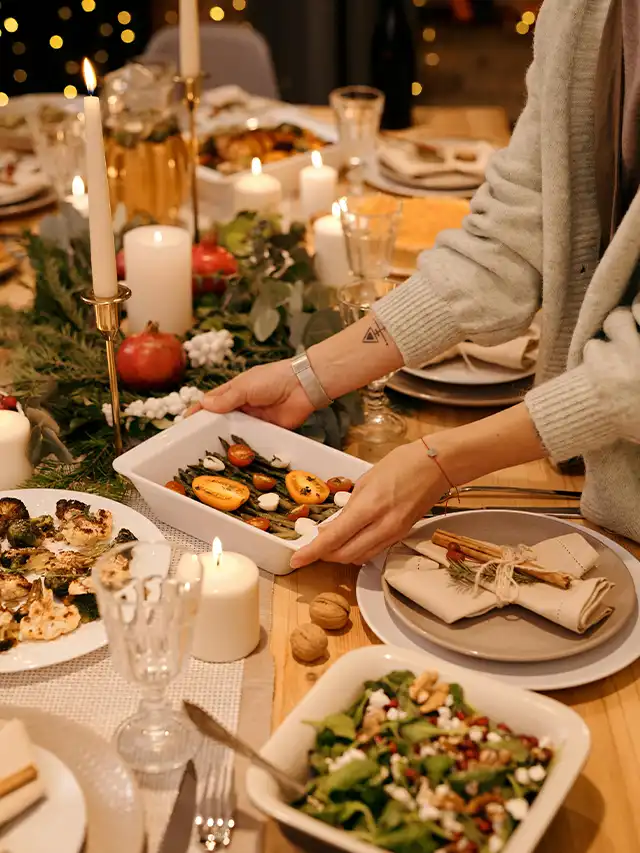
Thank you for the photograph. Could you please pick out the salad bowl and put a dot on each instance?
(342, 685)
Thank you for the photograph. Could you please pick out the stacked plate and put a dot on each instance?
(23, 185)
(511, 643)
(410, 166)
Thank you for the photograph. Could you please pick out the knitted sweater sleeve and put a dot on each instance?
(481, 282)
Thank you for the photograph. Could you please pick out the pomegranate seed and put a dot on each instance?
(480, 721)
(483, 825)
(504, 728)
(411, 774)
(378, 739)
(530, 741)
(393, 704)
(8, 402)
(460, 715)
(393, 748)
(462, 763)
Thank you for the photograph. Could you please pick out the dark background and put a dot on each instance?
(468, 51)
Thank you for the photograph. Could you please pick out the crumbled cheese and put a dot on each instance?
(428, 812)
(401, 795)
(450, 824)
(444, 711)
(442, 790)
(305, 526)
(269, 502)
(476, 734)
(495, 844)
(378, 699)
(517, 808)
(212, 463)
(426, 750)
(396, 714)
(449, 701)
(346, 758)
(493, 737)
(522, 776)
(341, 498)
(454, 723)
(537, 773)
(398, 765)
(471, 789)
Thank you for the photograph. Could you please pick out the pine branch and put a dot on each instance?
(463, 575)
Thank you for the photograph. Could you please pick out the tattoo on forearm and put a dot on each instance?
(375, 333)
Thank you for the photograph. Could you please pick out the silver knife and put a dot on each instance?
(177, 835)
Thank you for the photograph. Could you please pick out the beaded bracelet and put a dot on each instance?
(433, 454)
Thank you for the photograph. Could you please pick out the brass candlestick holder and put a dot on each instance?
(107, 310)
(192, 88)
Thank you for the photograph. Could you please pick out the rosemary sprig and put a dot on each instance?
(463, 575)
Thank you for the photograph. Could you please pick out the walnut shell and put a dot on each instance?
(308, 642)
(330, 611)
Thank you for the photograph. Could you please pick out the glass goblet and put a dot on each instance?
(381, 424)
(149, 614)
(370, 226)
(358, 111)
(58, 138)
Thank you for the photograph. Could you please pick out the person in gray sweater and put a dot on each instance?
(556, 225)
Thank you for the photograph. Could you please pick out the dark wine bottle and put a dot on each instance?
(393, 62)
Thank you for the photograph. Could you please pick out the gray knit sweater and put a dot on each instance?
(532, 238)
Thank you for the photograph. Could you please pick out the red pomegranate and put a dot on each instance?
(151, 360)
(212, 264)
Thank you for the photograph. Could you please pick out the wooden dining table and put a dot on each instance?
(601, 814)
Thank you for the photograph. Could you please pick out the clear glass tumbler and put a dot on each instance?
(370, 225)
(58, 138)
(381, 424)
(149, 612)
(358, 110)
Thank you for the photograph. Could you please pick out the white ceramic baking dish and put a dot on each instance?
(338, 688)
(151, 464)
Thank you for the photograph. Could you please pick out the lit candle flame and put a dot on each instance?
(335, 209)
(77, 186)
(217, 550)
(252, 123)
(256, 166)
(316, 159)
(89, 76)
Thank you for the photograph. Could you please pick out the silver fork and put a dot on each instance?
(214, 820)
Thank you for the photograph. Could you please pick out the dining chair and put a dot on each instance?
(231, 54)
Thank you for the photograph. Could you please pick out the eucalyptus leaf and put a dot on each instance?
(297, 325)
(322, 325)
(265, 324)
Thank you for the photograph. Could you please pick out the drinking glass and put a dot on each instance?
(358, 111)
(58, 139)
(370, 225)
(149, 613)
(381, 425)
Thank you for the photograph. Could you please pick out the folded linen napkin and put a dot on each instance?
(17, 765)
(519, 354)
(415, 569)
(405, 157)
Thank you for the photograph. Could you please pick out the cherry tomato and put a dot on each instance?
(8, 403)
(175, 486)
(260, 523)
(306, 488)
(240, 455)
(301, 511)
(263, 482)
(339, 484)
(220, 492)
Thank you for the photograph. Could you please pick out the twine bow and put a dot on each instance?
(506, 587)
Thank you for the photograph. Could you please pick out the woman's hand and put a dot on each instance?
(270, 392)
(384, 506)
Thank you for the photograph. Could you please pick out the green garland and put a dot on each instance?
(57, 362)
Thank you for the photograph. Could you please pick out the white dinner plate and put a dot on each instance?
(56, 824)
(613, 656)
(374, 176)
(457, 371)
(28, 180)
(86, 638)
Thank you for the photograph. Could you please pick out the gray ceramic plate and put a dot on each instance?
(473, 396)
(512, 633)
(115, 818)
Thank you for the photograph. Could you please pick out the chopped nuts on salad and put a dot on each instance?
(412, 768)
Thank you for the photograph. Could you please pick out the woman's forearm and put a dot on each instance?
(354, 357)
(491, 444)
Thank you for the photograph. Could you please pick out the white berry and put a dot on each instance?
(212, 463)
(269, 503)
(341, 498)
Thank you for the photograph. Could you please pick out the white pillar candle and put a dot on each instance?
(189, 39)
(15, 431)
(318, 186)
(228, 621)
(331, 262)
(103, 252)
(258, 191)
(157, 259)
(78, 198)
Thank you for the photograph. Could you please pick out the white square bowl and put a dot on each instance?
(341, 685)
(151, 464)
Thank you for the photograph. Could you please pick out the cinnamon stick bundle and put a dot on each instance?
(482, 552)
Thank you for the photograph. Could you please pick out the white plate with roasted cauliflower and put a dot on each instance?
(49, 542)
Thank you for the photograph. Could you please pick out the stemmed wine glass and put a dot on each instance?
(149, 612)
(381, 424)
(358, 111)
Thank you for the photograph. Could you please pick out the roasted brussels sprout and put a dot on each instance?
(44, 523)
(67, 509)
(124, 536)
(11, 509)
(88, 607)
(25, 559)
(24, 534)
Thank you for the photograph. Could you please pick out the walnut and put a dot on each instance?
(421, 687)
(489, 758)
(330, 611)
(308, 642)
(437, 698)
(372, 723)
(482, 802)
(450, 802)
